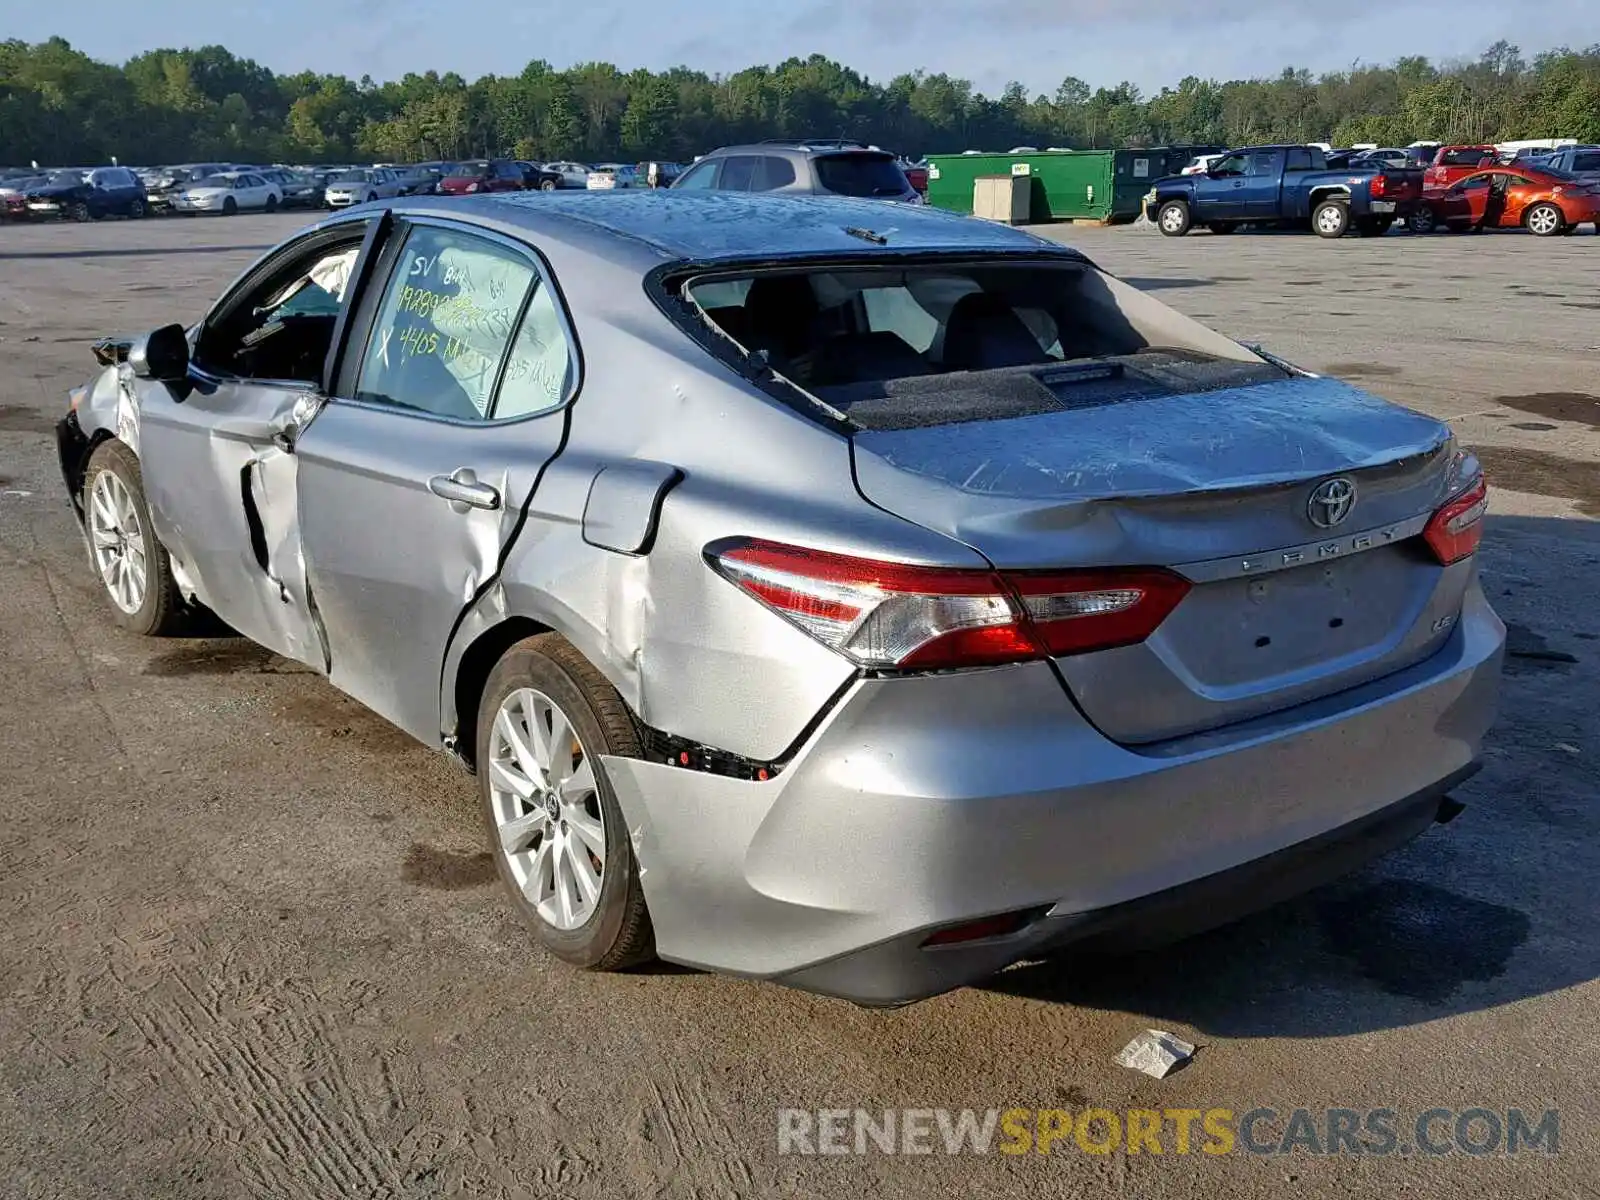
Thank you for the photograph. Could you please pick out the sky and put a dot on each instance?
(1038, 42)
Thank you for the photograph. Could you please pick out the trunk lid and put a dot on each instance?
(1217, 484)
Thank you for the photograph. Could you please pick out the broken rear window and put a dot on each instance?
(954, 341)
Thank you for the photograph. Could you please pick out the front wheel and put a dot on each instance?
(1174, 218)
(136, 210)
(1544, 220)
(546, 721)
(132, 565)
(229, 207)
(1331, 219)
(1422, 221)
(272, 203)
(80, 212)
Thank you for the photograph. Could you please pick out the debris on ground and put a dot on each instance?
(1155, 1052)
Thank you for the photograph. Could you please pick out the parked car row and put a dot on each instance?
(1459, 188)
(810, 167)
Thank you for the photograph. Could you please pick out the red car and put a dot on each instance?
(483, 175)
(1544, 201)
(1457, 162)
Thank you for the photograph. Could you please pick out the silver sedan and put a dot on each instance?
(835, 592)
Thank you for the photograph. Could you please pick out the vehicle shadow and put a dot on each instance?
(132, 251)
(1493, 909)
(1161, 285)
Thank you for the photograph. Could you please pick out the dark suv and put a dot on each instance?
(814, 168)
(82, 195)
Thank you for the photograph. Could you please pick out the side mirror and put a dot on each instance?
(161, 354)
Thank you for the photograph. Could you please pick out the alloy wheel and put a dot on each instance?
(547, 808)
(1544, 220)
(117, 540)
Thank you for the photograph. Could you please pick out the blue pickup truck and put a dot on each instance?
(1285, 185)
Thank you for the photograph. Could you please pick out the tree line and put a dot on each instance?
(59, 106)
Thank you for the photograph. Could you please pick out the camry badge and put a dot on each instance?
(1331, 502)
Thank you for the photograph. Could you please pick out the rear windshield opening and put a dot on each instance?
(952, 343)
(861, 174)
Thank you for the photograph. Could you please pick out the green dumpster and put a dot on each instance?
(1103, 186)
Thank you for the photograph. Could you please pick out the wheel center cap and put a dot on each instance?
(552, 806)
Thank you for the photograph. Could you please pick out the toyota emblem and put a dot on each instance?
(1331, 502)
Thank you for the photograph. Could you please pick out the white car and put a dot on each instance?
(363, 185)
(573, 174)
(607, 176)
(228, 194)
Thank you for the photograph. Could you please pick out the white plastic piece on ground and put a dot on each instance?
(1155, 1052)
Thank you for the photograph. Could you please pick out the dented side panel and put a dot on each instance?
(220, 481)
(393, 565)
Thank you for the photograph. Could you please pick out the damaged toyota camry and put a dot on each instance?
(859, 597)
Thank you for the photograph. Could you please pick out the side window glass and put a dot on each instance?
(1234, 164)
(738, 172)
(701, 177)
(774, 173)
(445, 323)
(1299, 160)
(541, 370)
(1264, 162)
(283, 328)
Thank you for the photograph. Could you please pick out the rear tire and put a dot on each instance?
(1331, 219)
(1544, 220)
(133, 566)
(549, 185)
(1174, 218)
(539, 677)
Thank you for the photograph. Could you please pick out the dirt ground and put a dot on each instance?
(251, 944)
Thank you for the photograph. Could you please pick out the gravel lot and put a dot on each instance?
(250, 944)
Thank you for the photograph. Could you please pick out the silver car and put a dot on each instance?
(363, 185)
(859, 598)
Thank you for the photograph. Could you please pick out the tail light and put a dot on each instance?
(893, 616)
(1380, 186)
(1455, 530)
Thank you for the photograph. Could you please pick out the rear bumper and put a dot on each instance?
(923, 803)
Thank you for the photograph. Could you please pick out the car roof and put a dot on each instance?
(663, 224)
(822, 146)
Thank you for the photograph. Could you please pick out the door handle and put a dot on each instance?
(462, 489)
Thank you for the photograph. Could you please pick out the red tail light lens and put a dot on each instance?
(1456, 529)
(894, 616)
(1380, 186)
